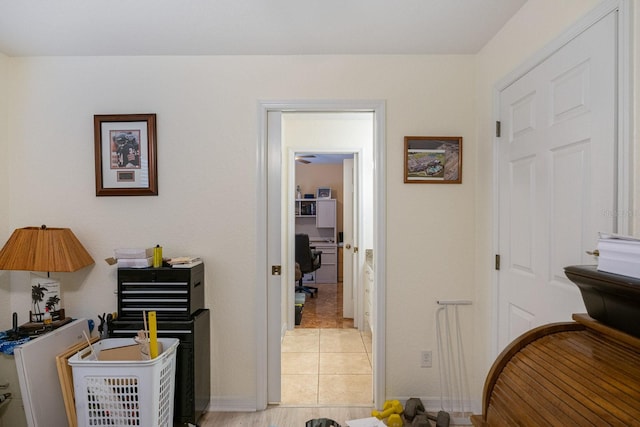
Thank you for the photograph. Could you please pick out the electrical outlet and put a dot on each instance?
(426, 359)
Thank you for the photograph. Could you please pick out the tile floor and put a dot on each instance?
(326, 367)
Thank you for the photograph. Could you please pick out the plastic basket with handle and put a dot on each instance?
(125, 392)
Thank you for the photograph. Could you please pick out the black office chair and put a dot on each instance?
(308, 260)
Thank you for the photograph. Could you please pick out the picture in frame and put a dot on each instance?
(323, 193)
(125, 155)
(433, 159)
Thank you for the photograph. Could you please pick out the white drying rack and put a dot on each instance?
(453, 375)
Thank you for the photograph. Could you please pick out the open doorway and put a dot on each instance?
(277, 158)
(326, 180)
(324, 147)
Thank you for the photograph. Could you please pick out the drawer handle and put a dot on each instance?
(155, 283)
(182, 292)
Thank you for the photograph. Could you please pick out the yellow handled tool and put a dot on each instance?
(153, 335)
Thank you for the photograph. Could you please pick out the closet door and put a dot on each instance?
(557, 175)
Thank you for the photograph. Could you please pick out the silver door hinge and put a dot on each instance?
(497, 261)
(498, 129)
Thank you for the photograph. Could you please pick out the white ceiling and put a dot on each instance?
(249, 27)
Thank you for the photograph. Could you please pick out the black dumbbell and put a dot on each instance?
(414, 412)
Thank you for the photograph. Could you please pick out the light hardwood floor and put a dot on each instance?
(275, 416)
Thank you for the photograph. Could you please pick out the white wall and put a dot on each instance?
(535, 25)
(207, 133)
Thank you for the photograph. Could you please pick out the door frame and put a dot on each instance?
(263, 342)
(624, 125)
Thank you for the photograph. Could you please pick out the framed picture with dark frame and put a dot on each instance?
(125, 155)
(433, 159)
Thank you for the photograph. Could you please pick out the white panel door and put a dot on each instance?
(557, 178)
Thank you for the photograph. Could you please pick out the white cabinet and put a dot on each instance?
(323, 210)
(328, 271)
(317, 218)
(326, 213)
(368, 296)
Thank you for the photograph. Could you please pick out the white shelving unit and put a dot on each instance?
(317, 218)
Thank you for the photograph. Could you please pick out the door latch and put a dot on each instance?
(276, 270)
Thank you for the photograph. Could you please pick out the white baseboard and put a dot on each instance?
(431, 404)
(232, 404)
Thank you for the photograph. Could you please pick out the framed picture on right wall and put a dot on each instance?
(433, 159)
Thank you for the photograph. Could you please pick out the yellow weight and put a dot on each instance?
(390, 407)
(394, 421)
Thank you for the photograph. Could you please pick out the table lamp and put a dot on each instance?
(44, 249)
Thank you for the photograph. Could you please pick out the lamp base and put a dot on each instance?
(37, 328)
(39, 317)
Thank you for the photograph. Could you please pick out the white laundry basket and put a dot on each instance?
(125, 393)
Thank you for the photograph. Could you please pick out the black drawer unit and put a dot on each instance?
(193, 364)
(173, 293)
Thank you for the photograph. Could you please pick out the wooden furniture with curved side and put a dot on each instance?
(580, 373)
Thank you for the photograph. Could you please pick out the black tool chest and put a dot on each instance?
(177, 297)
(173, 293)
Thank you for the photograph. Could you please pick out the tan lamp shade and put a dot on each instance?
(44, 249)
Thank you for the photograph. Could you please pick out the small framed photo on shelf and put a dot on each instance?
(323, 193)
